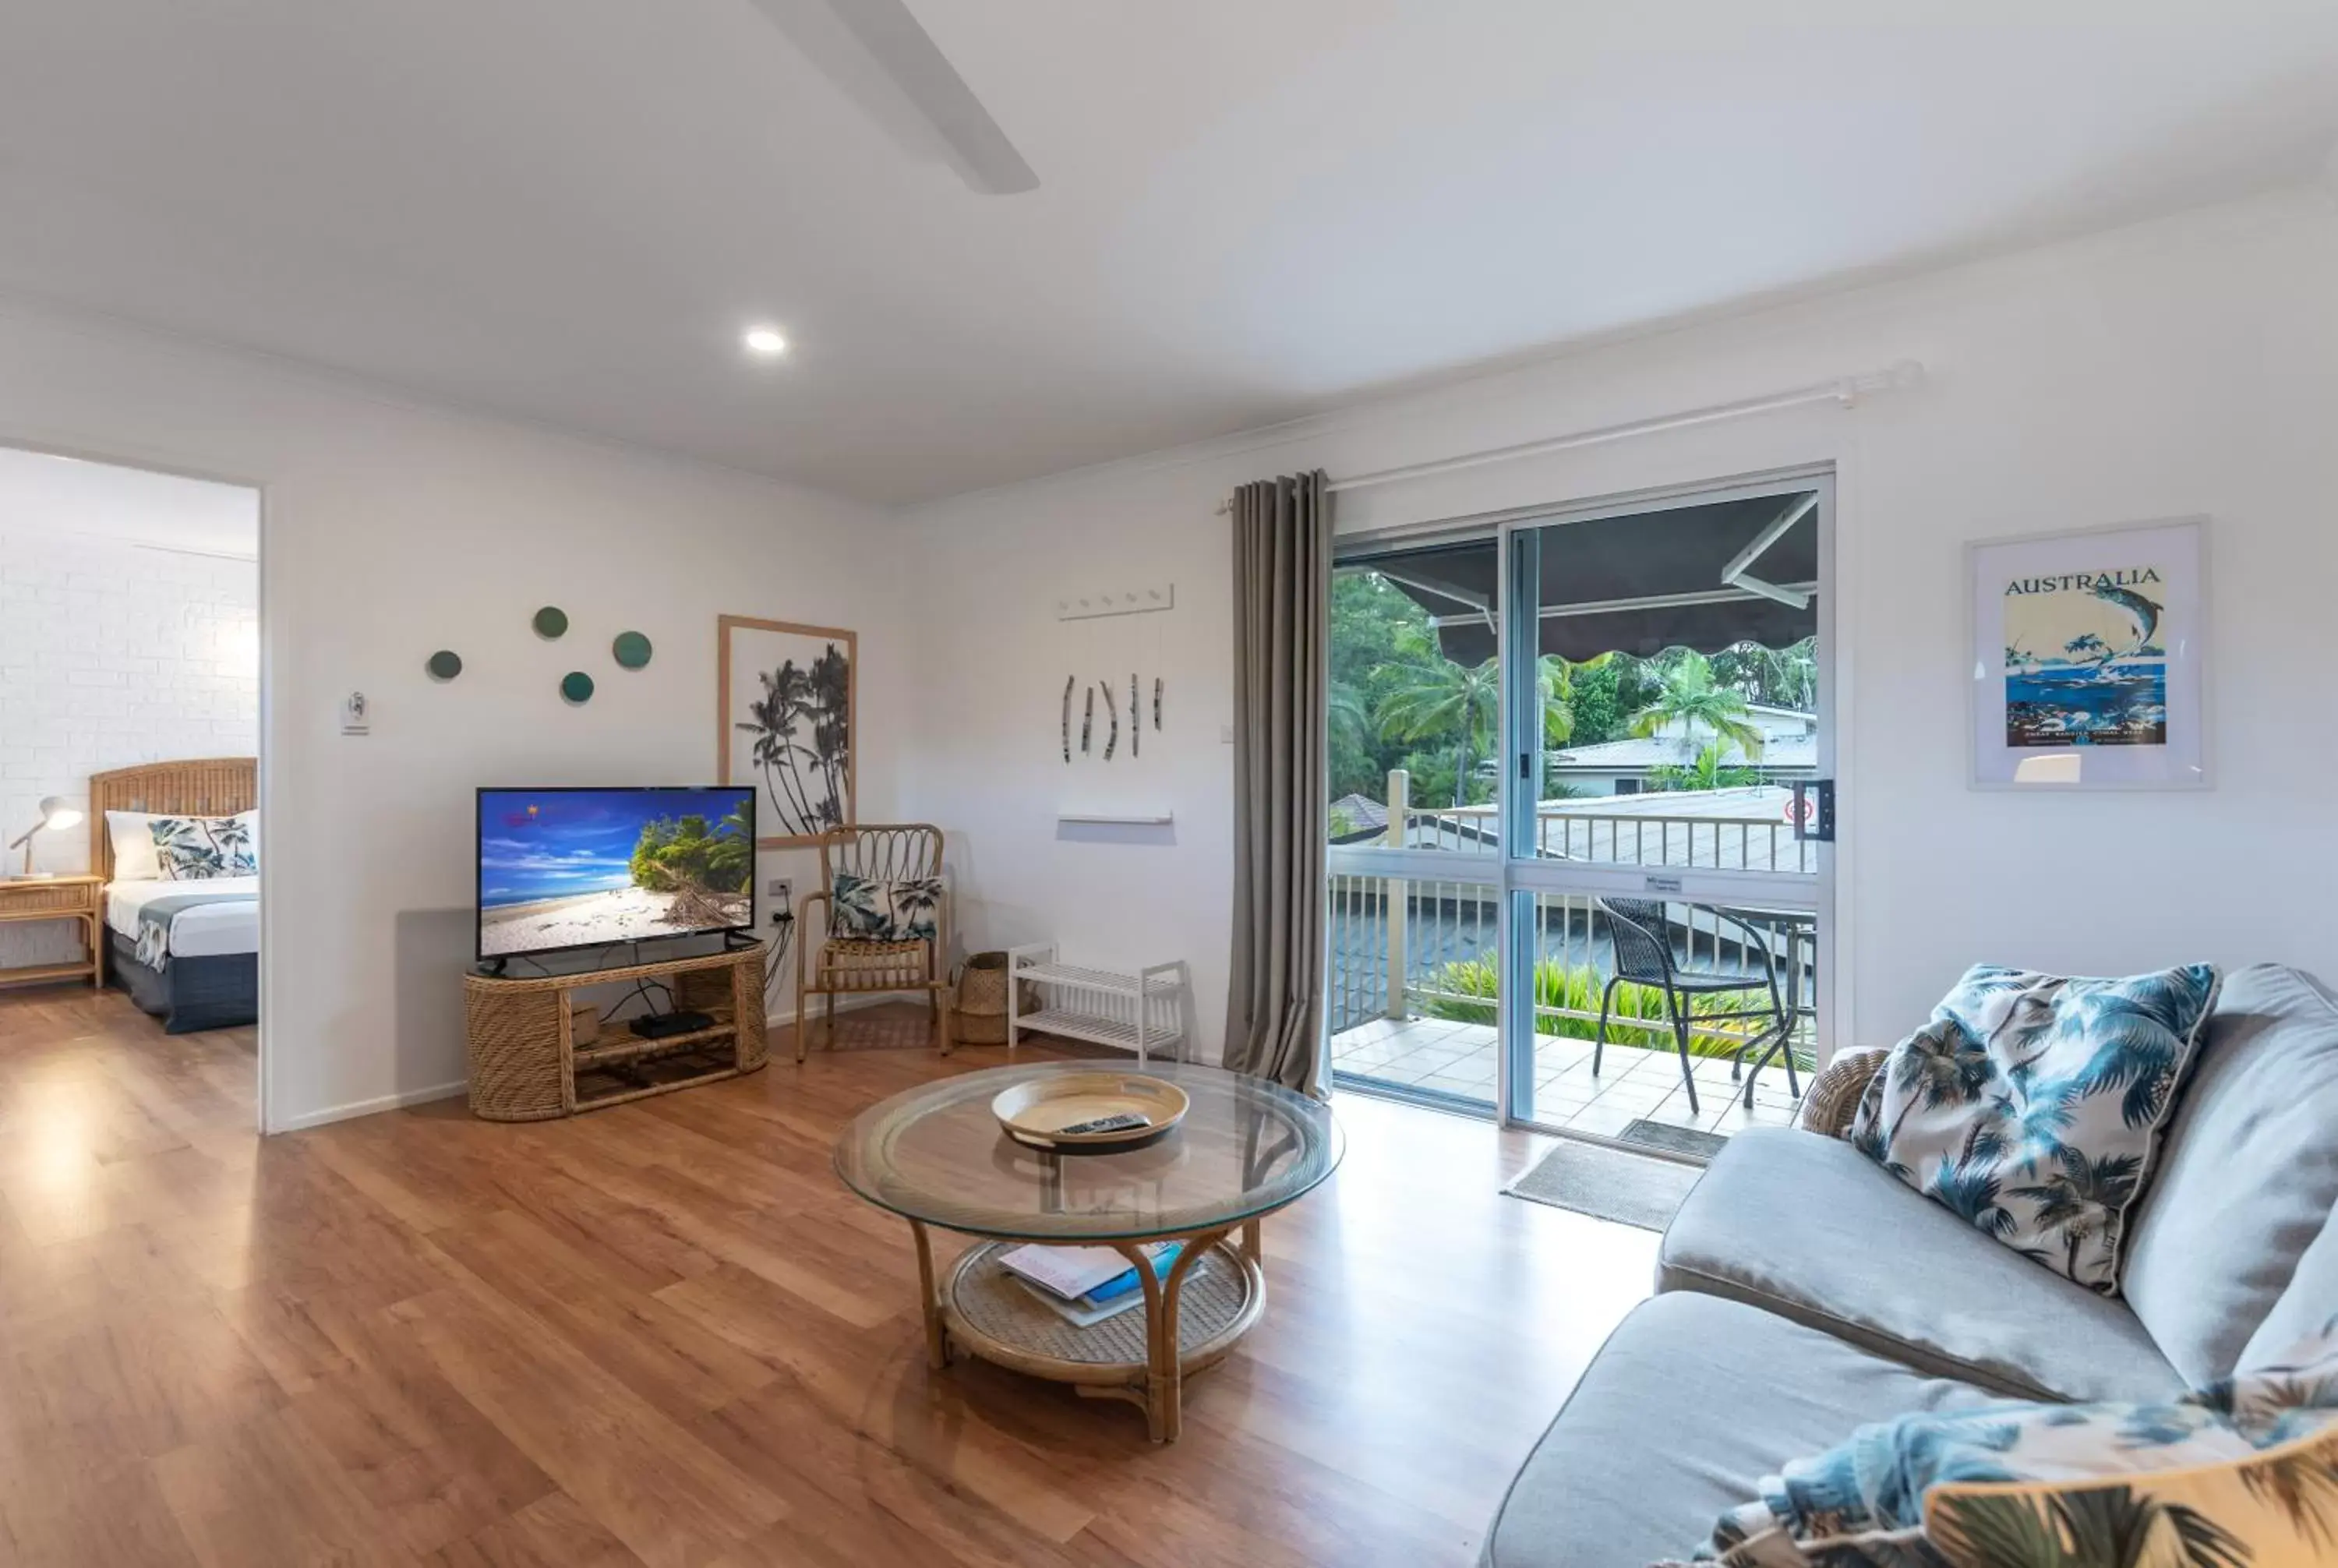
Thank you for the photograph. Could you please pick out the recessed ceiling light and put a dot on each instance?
(765, 341)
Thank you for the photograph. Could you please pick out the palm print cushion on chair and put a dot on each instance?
(197, 849)
(2032, 1105)
(899, 911)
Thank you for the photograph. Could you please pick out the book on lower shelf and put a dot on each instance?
(1084, 1285)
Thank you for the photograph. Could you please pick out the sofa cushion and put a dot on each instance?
(2031, 1105)
(1691, 1403)
(2248, 1175)
(1809, 1227)
(2306, 1307)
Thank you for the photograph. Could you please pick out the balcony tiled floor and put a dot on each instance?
(1435, 1054)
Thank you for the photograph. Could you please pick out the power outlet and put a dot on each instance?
(779, 891)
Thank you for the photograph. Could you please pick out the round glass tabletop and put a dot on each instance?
(937, 1154)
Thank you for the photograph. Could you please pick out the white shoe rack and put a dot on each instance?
(1143, 1011)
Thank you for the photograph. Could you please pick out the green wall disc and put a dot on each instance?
(632, 650)
(445, 664)
(577, 686)
(551, 622)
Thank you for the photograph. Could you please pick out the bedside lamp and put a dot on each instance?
(56, 812)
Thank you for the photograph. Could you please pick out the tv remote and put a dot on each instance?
(1116, 1123)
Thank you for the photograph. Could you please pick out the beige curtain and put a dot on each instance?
(1283, 598)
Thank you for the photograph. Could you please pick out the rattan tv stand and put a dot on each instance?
(526, 1065)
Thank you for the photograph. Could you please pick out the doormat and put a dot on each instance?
(1698, 1146)
(1607, 1183)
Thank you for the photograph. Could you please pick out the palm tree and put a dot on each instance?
(1434, 698)
(1691, 698)
(2083, 1198)
(1706, 771)
(828, 692)
(2111, 1526)
(2303, 1484)
(772, 721)
(1972, 1193)
(2136, 1053)
(2084, 644)
(1344, 717)
(1940, 1066)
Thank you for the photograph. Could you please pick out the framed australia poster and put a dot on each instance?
(2089, 656)
(786, 724)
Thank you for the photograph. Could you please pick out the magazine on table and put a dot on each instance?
(1086, 1285)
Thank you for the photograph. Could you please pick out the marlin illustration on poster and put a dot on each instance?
(2085, 661)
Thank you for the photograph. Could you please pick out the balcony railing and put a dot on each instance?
(1403, 945)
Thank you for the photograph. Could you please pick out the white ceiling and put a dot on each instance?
(44, 495)
(1250, 210)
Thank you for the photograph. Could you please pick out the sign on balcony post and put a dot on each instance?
(1393, 892)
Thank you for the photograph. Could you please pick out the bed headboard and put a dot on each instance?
(213, 787)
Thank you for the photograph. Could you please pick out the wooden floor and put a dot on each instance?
(663, 1333)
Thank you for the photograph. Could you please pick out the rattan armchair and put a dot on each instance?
(833, 960)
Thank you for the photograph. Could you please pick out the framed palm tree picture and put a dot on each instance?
(787, 722)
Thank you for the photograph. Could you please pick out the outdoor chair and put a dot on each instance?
(883, 924)
(1643, 953)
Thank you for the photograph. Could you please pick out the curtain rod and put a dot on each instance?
(1844, 390)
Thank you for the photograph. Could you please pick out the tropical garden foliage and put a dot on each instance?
(1465, 990)
(1397, 702)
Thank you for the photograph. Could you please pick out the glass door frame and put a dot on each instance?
(1519, 778)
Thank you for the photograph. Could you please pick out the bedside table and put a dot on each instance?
(54, 898)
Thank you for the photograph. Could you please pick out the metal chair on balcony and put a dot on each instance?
(1644, 955)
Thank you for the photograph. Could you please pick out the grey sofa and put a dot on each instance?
(1802, 1290)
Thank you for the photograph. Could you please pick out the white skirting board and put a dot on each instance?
(379, 1104)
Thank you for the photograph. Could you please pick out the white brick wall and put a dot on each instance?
(111, 655)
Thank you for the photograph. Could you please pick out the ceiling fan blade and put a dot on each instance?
(892, 67)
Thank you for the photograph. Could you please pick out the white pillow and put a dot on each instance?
(133, 833)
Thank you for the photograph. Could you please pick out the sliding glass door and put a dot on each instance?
(1601, 906)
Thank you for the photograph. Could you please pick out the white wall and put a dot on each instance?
(111, 655)
(2189, 365)
(390, 531)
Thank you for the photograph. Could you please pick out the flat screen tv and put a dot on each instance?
(561, 869)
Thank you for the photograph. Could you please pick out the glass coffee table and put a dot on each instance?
(935, 1156)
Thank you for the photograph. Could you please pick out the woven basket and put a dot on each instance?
(982, 1001)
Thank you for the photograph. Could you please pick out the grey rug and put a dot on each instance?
(1608, 1184)
(1674, 1140)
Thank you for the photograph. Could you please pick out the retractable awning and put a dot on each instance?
(1705, 577)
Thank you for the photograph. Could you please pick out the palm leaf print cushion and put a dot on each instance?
(2032, 1104)
(900, 911)
(196, 848)
(1991, 1486)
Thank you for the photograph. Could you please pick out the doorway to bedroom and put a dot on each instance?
(130, 728)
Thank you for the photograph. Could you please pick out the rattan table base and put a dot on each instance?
(1212, 1296)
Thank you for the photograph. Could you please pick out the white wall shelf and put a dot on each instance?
(1120, 818)
(1143, 1011)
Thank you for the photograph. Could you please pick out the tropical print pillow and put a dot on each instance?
(2032, 1104)
(899, 911)
(1869, 1503)
(197, 849)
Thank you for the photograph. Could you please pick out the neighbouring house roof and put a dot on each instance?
(1367, 817)
(1780, 752)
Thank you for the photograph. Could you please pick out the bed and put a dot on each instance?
(206, 974)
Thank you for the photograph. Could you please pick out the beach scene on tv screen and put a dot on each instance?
(571, 869)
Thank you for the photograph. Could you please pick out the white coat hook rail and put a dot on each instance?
(1142, 601)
